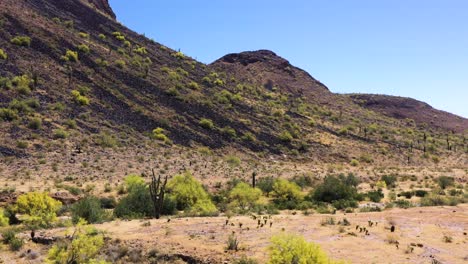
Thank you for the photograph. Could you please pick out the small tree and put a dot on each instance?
(88, 209)
(295, 249)
(38, 207)
(189, 195)
(244, 196)
(84, 247)
(284, 190)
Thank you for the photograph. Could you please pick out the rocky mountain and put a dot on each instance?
(408, 108)
(71, 76)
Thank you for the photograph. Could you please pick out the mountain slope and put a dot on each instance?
(74, 77)
(420, 112)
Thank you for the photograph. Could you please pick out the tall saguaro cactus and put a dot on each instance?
(157, 190)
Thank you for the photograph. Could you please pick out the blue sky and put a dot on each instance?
(412, 48)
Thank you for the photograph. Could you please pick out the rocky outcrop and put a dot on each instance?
(104, 6)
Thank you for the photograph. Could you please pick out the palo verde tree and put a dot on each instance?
(38, 208)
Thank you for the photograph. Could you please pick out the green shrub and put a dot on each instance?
(3, 55)
(231, 132)
(5, 83)
(79, 98)
(193, 85)
(16, 244)
(8, 114)
(106, 140)
(22, 144)
(285, 136)
(286, 194)
(69, 23)
(245, 260)
(445, 181)
(266, 184)
(219, 82)
(420, 193)
(38, 208)
(287, 248)
(390, 180)
(244, 196)
(83, 48)
(159, 134)
(71, 124)
(88, 209)
(434, 200)
(35, 123)
(60, 134)
(233, 161)
(403, 204)
(140, 50)
(375, 196)
(85, 245)
(120, 64)
(206, 123)
(354, 163)
(179, 55)
(335, 189)
(232, 243)
(22, 84)
(83, 35)
(23, 41)
(189, 195)
(70, 56)
(4, 220)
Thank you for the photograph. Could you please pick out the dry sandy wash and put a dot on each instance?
(206, 237)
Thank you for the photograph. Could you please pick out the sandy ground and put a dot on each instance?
(206, 237)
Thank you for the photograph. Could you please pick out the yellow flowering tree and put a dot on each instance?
(38, 208)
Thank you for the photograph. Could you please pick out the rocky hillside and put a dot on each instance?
(408, 108)
(71, 76)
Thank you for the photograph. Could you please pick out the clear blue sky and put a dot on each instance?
(413, 48)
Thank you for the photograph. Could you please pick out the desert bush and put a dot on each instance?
(120, 64)
(335, 190)
(69, 24)
(8, 114)
(71, 56)
(35, 123)
(159, 134)
(22, 144)
(79, 98)
(434, 200)
(266, 184)
(375, 196)
(285, 136)
(231, 132)
(445, 182)
(108, 202)
(233, 161)
(3, 55)
(403, 204)
(390, 180)
(206, 123)
(420, 193)
(83, 35)
(89, 209)
(85, 244)
(10, 238)
(287, 248)
(140, 50)
(407, 194)
(179, 55)
(6, 83)
(189, 195)
(60, 134)
(83, 48)
(193, 85)
(22, 84)
(286, 194)
(232, 243)
(245, 260)
(39, 208)
(23, 41)
(107, 140)
(4, 220)
(354, 163)
(244, 196)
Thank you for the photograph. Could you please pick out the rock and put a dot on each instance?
(65, 197)
(104, 6)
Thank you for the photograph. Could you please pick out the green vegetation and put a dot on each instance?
(4, 220)
(83, 35)
(3, 55)
(86, 243)
(190, 196)
(206, 123)
(286, 248)
(60, 134)
(286, 194)
(10, 238)
(83, 48)
(23, 41)
(71, 56)
(193, 85)
(445, 182)
(22, 84)
(89, 209)
(339, 191)
(243, 196)
(79, 98)
(120, 64)
(35, 123)
(8, 114)
(179, 55)
(159, 134)
(38, 208)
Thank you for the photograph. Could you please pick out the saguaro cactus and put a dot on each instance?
(157, 191)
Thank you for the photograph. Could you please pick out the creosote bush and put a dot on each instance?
(3, 55)
(206, 123)
(88, 209)
(23, 41)
(71, 56)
